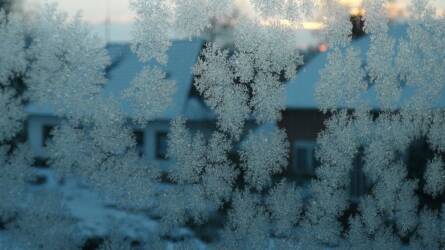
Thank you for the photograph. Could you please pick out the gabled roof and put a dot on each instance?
(125, 66)
(300, 92)
(182, 55)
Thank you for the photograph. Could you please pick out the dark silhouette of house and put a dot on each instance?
(303, 120)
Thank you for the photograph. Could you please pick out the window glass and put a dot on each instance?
(303, 158)
(47, 131)
(358, 179)
(302, 161)
(161, 145)
(139, 138)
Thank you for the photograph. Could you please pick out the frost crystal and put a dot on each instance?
(203, 179)
(68, 61)
(382, 71)
(338, 26)
(158, 20)
(186, 166)
(270, 49)
(285, 204)
(150, 93)
(12, 61)
(12, 112)
(15, 171)
(248, 224)
(194, 16)
(436, 136)
(233, 170)
(420, 60)
(220, 175)
(50, 213)
(375, 16)
(151, 29)
(215, 83)
(435, 177)
(342, 80)
(268, 98)
(264, 153)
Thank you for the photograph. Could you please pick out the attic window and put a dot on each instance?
(161, 146)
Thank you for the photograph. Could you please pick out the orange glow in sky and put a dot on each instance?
(121, 17)
(351, 3)
(95, 10)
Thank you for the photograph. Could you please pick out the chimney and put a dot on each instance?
(358, 26)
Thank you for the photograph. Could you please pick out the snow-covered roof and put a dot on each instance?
(182, 55)
(300, 92)
(125, 66)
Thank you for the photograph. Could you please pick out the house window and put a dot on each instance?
(161, 145)
(47, 134)
(303, 158)
(139, 138)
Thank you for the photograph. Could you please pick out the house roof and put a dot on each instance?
(300, 91)
(125, 66)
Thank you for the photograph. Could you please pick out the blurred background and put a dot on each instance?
(112, 19)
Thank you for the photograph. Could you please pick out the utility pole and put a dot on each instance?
(107, 22)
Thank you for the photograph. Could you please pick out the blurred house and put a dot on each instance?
(151, 140)
(303, 121)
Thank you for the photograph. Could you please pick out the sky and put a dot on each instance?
(95, 12)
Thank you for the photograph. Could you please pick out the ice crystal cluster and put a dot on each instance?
(51, 59)
(381, 103)
(401, 72)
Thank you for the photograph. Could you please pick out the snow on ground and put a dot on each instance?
(97, 218)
